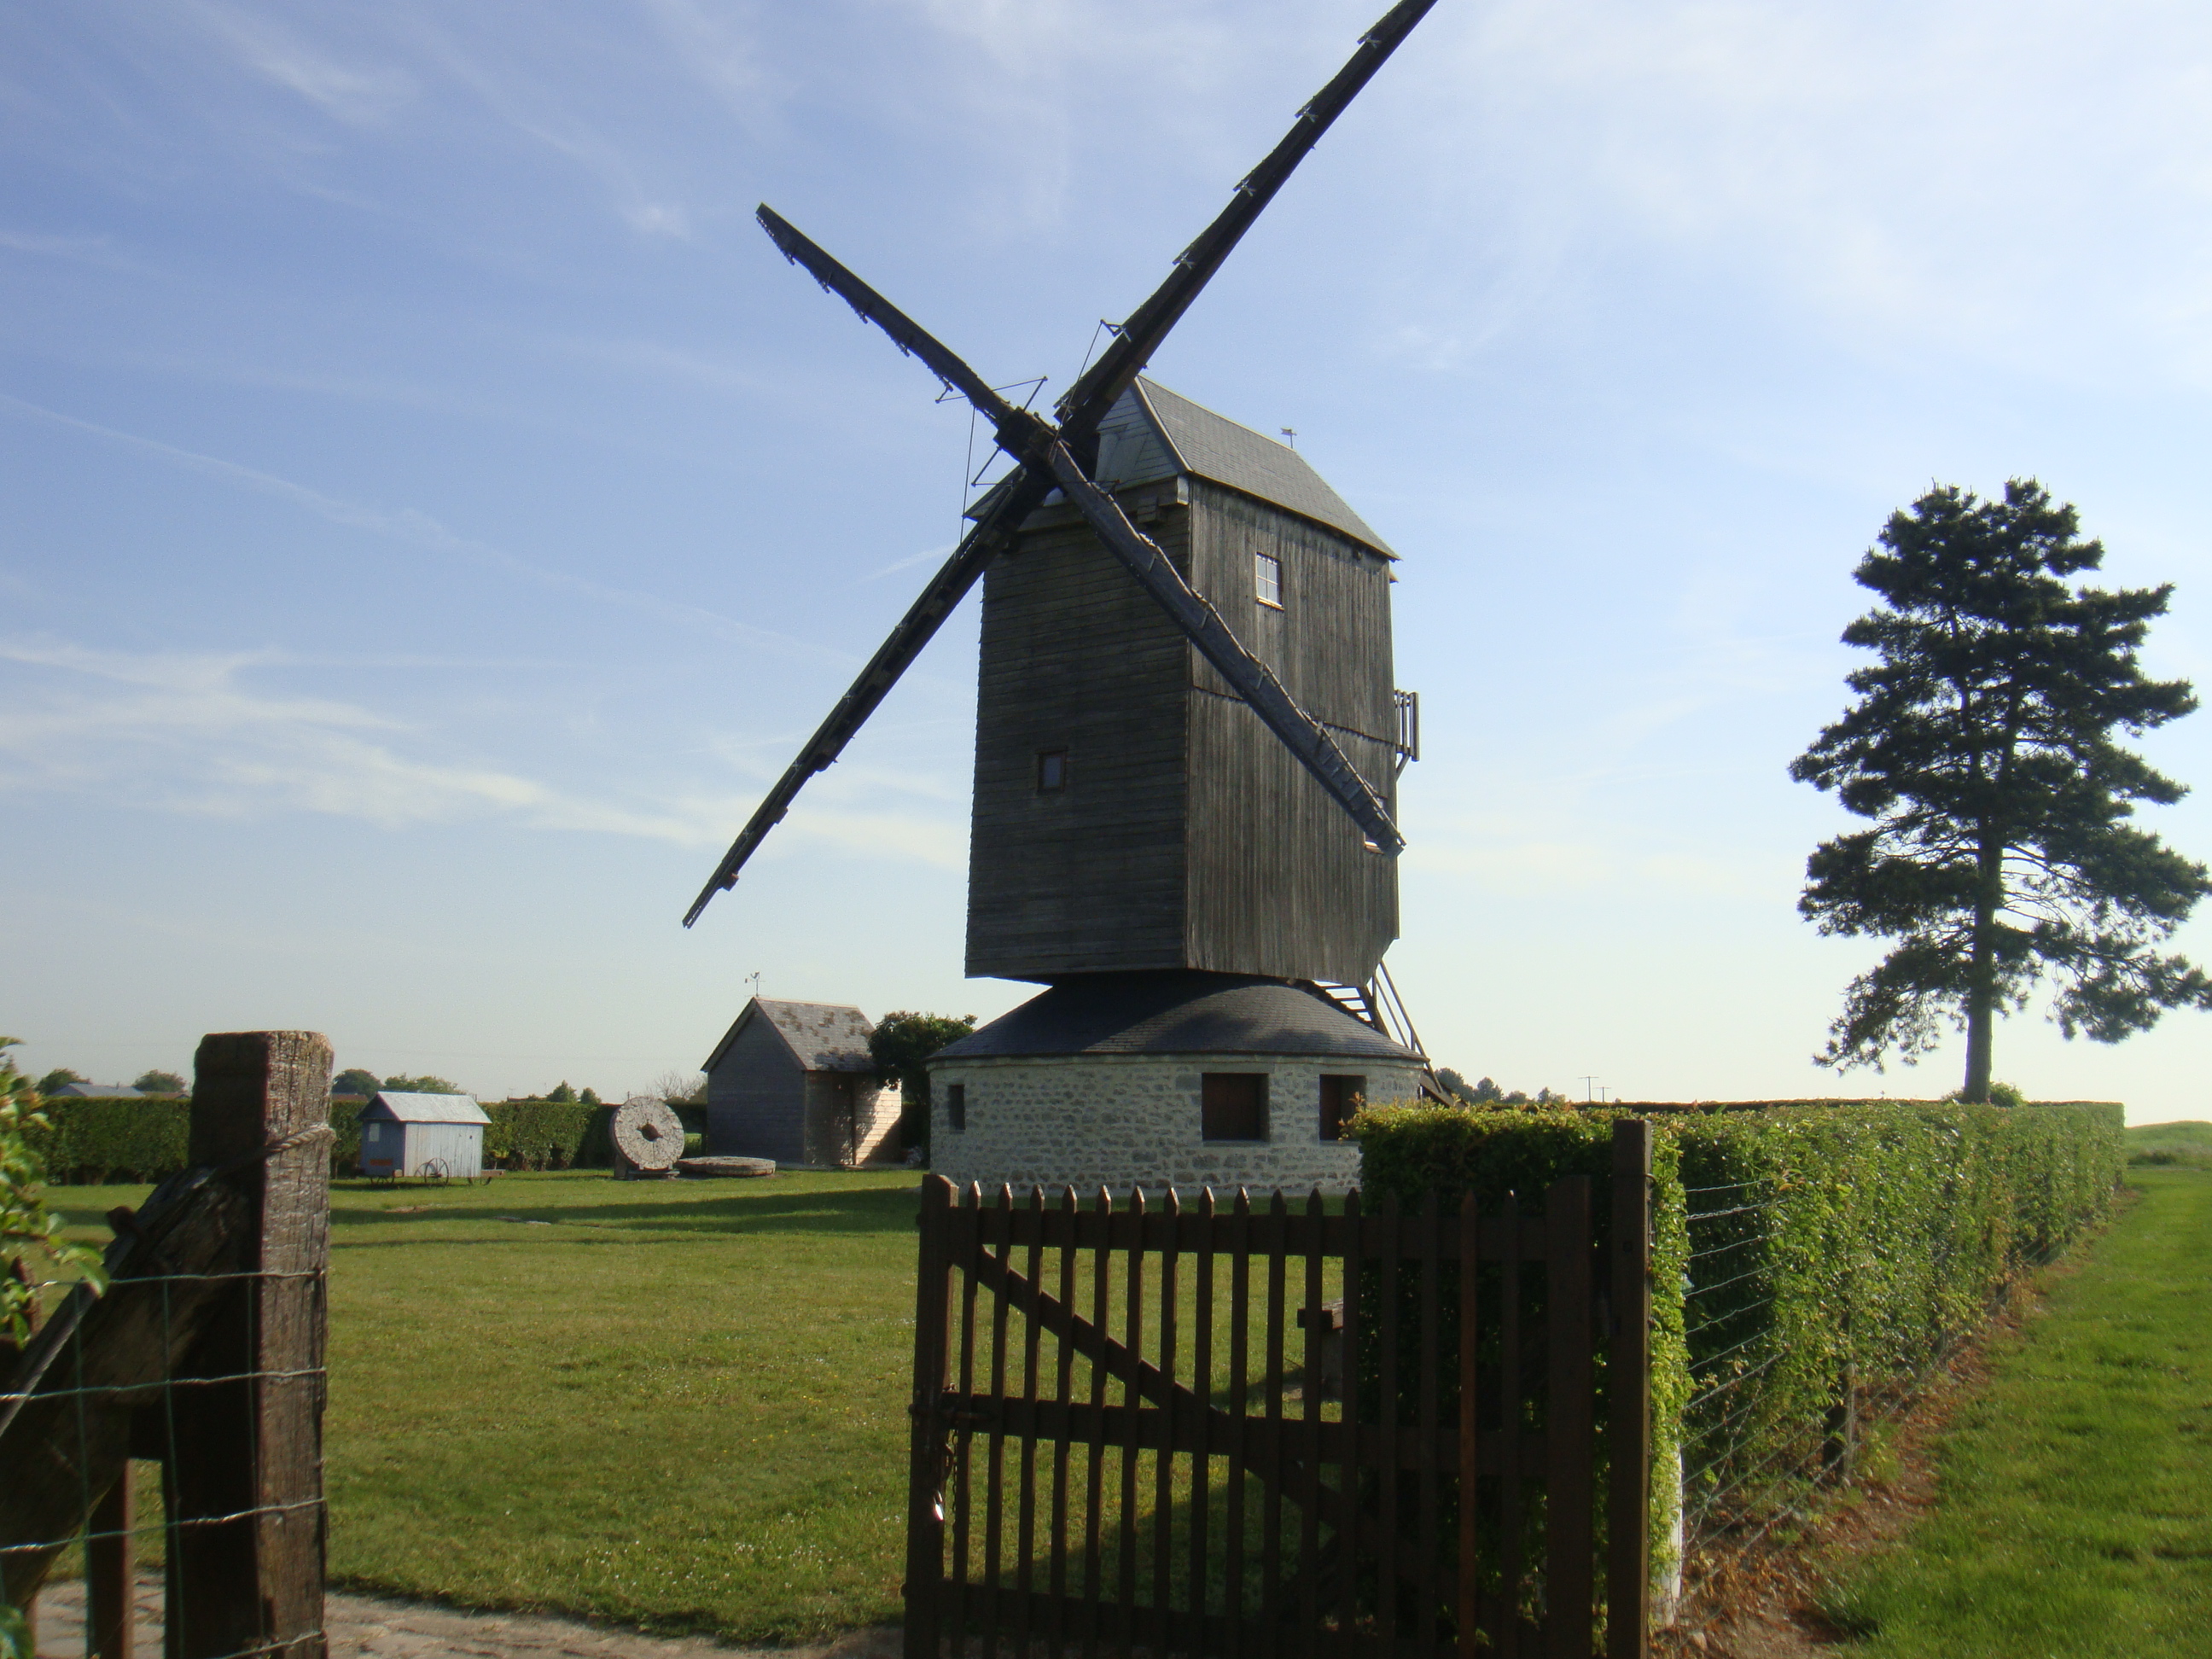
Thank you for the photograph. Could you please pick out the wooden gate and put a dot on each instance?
(1148, 1425)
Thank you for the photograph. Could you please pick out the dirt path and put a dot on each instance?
(364, 1627)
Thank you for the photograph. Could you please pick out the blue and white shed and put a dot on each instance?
(408, 1134)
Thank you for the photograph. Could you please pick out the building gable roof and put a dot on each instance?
(98, 1091)
(822, 1036)
(388, 1105)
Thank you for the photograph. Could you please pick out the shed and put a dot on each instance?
(410, 1134)
(793, 1081)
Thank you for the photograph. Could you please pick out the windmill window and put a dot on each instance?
(1233, 1106)
(1052, 771)
(1340, 1096)
(1267, 579)
(956, 1107)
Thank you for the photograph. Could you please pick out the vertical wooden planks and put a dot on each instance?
(1348, 1529)
(1426, 1498)
(1310, 1612)
(1389, 1520)
(1094, 1591)
(1468, 1602)
(1271, 1506)
(968, 1244)
(110, 1552)
(1025, 1523)
(1240, 1406)
(1133, 1296)
(1513, 1391)
(1162, 1622)
(1202, 1463)
(1064, 1223)
(1568, 1575)
(1000, 1231)
(924, 1512)
(1628, 1397)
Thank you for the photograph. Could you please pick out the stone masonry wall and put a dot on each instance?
(1123, 1121)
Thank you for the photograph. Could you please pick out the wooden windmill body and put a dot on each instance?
(1186, 754)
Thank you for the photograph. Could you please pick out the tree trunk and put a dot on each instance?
(1982, 975)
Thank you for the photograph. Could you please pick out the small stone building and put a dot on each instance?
(793, 1081)
(1157, 1079)
(411, 1134)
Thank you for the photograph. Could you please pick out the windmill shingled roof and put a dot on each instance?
(1153, 433)
(1178, 1013)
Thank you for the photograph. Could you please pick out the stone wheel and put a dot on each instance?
(647, 1132)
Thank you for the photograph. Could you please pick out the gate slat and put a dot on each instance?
(1240, 1321)
(1162, 1622)
(1025, 1523)
(1062, 1385)
(1470, 1467)
(1201, 1379)
(1568, 1571)
(925, 1518)
(1348, 1529)
(1513, 1382)
(967, 1243)
(1310, 1612)
(1132, 1297)
(1429, 1592)
(1387, 1520)
(1102, 1271)
(1271, 1506)
(1000, 1228)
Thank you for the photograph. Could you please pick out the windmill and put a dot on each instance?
(1188, 738)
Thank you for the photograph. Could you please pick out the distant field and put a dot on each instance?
(2180, 1143)
(678, 1405)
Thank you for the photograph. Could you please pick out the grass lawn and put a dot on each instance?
(2180, 1143)
(2076, 1510)
(681, 1404)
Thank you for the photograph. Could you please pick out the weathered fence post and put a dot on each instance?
(249, 1448)
(924, 1513)
(109, 1570)
(1628, 1397)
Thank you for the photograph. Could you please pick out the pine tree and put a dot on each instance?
(1983, 747)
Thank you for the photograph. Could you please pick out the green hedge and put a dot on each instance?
(1801, 1250)
(92, 1142)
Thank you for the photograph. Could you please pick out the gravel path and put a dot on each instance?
(364, 1627)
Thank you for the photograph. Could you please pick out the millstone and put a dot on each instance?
(709, 1168)
(647, 1132)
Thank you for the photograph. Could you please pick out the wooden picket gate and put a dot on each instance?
(1192, 1485)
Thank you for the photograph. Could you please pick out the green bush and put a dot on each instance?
(548, 1134)
(1805, 1255)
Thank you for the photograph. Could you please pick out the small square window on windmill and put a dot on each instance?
(1267, 579)
(1062, 457)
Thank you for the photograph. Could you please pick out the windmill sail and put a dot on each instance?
(1038, 448)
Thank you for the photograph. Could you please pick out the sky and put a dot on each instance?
(431, 512)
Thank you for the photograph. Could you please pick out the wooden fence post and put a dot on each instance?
(110, 1572)
(924, 1512)
(1628, 1404)
(250, 1448)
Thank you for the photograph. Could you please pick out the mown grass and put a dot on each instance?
(678, 1405)
(2074, 1511)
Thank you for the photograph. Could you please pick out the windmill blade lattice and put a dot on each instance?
(1047, 456)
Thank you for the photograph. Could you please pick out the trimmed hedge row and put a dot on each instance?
(94, 1142)
(1808, 1258)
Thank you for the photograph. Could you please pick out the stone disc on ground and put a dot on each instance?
(712, 1168)
(647, 1132)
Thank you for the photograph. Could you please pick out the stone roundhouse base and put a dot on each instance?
(1127, 1121)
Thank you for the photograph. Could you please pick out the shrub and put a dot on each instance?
(31, 1245)
(548, 1134)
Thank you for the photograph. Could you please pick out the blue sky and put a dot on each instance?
(432, 512)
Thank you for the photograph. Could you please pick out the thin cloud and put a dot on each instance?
(420, 529)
